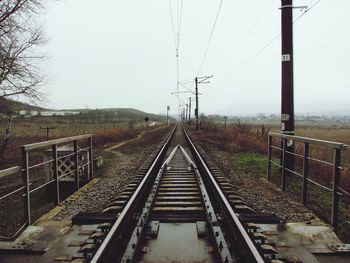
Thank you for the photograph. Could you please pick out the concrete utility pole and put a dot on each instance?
(167, 115)
(189, 111)
(199, 80)
(287, 100)
(287, 85)
(196, 109)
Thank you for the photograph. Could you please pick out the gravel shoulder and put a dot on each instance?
(121, 163)
(261, 195)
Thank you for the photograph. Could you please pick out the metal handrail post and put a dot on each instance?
(91, 160)
(76, 163)
(283, 178)
(335, 196)
(55, 173)
(305, 172)
(269, 142)
(26, 180)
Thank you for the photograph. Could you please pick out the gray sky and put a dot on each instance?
(112, 53)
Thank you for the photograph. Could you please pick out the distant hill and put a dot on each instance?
(107, 114)
(116, 114)
(8, 106)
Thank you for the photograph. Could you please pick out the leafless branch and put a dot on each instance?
(20, 38)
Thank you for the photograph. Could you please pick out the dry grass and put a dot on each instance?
(26, 132)
(236, 137)
(246, 140)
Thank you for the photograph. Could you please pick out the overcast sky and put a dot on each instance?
(112, 53)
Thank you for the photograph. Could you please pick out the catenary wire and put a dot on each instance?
(210, 38)
(255, 54)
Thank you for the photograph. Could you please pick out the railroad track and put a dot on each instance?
(177, 208)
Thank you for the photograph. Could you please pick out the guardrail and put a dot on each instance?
(335, 164)
(26, 168)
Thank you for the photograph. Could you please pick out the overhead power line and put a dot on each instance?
(173, 25)
(256, 53)
(176, 36)
(245, 36)
(210, 38)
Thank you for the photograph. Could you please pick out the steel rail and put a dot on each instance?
(216, 232)
(135, 240)
(254, 254)
(98, 256)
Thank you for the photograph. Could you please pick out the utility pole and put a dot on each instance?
(287, 100)
(183, 114)
(189, 111)
(196, 109)
(48, 128)
(199, 80)
(287, 83)
(225, 117)
(186, 112)
(167, 115)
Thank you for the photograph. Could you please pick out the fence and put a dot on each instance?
(52, 162)
(337, 148)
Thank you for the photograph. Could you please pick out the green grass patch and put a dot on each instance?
(254, 163)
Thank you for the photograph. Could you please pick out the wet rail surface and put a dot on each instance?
(177, 208)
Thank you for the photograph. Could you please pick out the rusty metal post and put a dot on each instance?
(305, 172)
(55, 173)
(91, 161)
(335, 196)
(283, 176)
(269, 142)
(25, 174)
(76, 164)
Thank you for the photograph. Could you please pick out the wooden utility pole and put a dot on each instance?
(48, 128)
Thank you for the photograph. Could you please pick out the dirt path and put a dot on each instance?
(110, 149)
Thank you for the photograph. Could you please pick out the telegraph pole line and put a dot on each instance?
(199, 80)
(48, 128)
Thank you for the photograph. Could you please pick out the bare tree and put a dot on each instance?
(20, 36)
(21, 76)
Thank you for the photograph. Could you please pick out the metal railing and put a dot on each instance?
(26, 168)
(335, 164)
